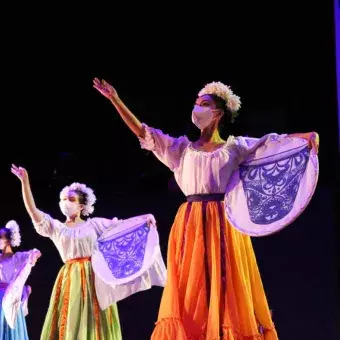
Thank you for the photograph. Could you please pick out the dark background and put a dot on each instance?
(280, 59)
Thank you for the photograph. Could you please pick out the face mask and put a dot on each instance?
(68, 208)
(202, 116)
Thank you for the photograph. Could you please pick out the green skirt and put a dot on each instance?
(74, 312)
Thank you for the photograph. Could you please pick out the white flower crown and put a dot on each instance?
(15, 237)
(233, 102)
(89, 196)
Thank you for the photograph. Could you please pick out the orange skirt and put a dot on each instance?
(214, 289)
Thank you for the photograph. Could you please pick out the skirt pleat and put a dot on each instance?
(74, 312)
(214, 288)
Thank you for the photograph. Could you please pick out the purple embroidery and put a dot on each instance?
(125, 254)
(271, 188)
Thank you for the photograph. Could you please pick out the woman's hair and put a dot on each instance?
(82, 197)
(8, 233)
(221, 105)
(85, 194)
(12, 233)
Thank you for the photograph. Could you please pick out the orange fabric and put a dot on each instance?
(79, 259)
(236, 308)
(64, 309)
(55, 316)
(83, 282)
(96, 310)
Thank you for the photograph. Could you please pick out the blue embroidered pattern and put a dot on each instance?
(271, 188)
(125, 254)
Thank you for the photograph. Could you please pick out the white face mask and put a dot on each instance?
(68, 208)
(202, 116)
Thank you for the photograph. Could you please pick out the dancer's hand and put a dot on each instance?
(27, 195)
(35, 254)
(151, 221)
(314, 141)
(105, 89)
(20, 172)
(311, 137)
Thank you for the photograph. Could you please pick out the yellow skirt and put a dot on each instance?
(74, 311)
(214, 289)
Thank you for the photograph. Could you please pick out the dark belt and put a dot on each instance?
(205, 198)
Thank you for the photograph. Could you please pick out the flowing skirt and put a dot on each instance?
(20, 330)
(214, 289)
(74, 311)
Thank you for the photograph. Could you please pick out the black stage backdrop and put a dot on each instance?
(280, 59)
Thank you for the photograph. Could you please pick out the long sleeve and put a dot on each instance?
(273, 185)
(46, 226)
(127, 259)
(167, 149)
(21, 257)
(101, 225)
(246, 146)
(105, 226)
(13, 298)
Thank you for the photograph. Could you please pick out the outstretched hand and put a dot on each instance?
(314, 142)
(311, 137)
(105, 89)
(20, 172)
(151, 221)
(35, 255)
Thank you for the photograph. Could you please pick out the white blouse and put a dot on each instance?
(82, 241)
(199, 172)
(74, 242)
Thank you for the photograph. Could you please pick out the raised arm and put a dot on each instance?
(32, 210)
(128, 117)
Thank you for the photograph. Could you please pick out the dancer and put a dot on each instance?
(214, 289)
(99, 270)
(14, 270)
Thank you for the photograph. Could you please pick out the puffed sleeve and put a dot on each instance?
(167, 149)
(47, 226)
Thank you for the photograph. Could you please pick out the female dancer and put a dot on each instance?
(82, 305)
(214, 289)
(14, 270)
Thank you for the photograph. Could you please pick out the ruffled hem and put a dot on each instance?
(231, 334)
(169, 329)
(270, 334)
(173, 329)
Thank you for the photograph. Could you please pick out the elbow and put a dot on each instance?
(140, 131)
(35, 215)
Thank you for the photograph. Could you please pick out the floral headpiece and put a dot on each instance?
(15, 237)
(233, 102)
(89, 196)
